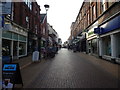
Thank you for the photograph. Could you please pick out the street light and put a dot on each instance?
(46, 8)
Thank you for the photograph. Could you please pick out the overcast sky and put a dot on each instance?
(61, 14)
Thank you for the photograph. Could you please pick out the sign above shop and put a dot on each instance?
(6, 7)
(98, 30)
(7, 27)
(109, 26)
(1, 21)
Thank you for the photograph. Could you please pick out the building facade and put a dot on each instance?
(14, 40)
(98, 26)
(53, 36)
(21, 30)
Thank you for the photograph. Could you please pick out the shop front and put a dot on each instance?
(14, 42)
(109, 39)
(33, 42)
(92, 41)
(82, 42)
(43, 47)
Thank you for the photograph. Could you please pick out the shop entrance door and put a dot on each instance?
(6, 47)
(15, 53)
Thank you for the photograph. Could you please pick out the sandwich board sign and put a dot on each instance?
(11, 72)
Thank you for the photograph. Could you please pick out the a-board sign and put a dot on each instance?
(11, 71)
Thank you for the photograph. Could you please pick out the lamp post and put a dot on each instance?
(46, 8)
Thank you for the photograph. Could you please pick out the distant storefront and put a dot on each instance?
(14, 41)
(82, 42)
(92, 40)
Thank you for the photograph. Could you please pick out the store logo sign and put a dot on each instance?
(98, 30)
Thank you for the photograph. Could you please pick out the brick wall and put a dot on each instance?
(22, 12)
(91, 12)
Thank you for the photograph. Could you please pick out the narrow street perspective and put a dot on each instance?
(71, 70)
(59, 44)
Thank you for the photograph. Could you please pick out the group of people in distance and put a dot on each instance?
(49, 51)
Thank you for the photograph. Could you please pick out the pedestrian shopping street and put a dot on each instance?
(56, 44)
(71, 70)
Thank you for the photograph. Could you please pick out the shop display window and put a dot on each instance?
(6, 47)
(22, 48)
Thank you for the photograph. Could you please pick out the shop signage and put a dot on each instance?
(98, 30)
(6, 7)
(7, 27)
(11, 71)
(111, 25)
(90, 33)
(9, 67)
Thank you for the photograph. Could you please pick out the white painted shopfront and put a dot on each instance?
(109, 45)
(109, 40)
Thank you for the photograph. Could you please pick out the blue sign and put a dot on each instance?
(109, 26)
(9, 67)
(98, 30)
(1, 21)
(6, 7)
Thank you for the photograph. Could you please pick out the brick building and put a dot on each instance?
(98, 25)
(44, 31)
(29, 18)
(24, 24)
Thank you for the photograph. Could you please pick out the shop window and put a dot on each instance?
(93, 13)
(6, 47)
(22, 48)
(94, 46)
(107, 46)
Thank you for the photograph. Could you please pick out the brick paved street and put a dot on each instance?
(71, 70)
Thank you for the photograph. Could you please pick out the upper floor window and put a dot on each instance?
(93, 13)
(88, 19)
(103, 5)
(78, 20)
(28, 3)
(80, 16)
(27, 22)
(43, 32)
(36, 31)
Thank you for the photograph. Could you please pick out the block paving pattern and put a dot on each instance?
(71, 70)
